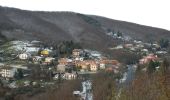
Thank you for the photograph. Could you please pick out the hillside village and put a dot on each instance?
(27, 59)
(31, 63)
(38, 66)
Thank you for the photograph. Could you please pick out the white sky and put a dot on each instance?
(154, 13)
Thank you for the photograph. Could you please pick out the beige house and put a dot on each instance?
(81, 64)
(8, 72)
(66, 76)
(93, 67)
(103, 63)
(77, 52)
(64, 61)
(70, 76)
(61, 68)
(87, 65)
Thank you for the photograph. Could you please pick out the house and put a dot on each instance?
(48, 60)
(44, 52)
(64, 61)
(69, 76)
(106, 62)
(8, 72)
(93, 67)
(24, 56)
(61, 68)
(90, 65)
(37, 59)
(102, 66)
(66, 76)
(81, 64)
(147, 59)
(77, 52)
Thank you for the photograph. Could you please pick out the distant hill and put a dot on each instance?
(88, 30)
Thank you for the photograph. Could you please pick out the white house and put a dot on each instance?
(119, 47)
(69, 76)
(8, 72)
(102, 66)
(49, 59)
(36, 59)
(24, 56)
(66, 76)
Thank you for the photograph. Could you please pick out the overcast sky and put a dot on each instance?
(154, 13)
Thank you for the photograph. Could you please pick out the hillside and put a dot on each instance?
(88, 30)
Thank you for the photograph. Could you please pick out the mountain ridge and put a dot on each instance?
(88, 30)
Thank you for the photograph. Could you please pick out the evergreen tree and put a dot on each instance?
(119, 34)
(18, 74)
(164, 43)
(151, 67)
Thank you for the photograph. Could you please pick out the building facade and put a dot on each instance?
(8, 72)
